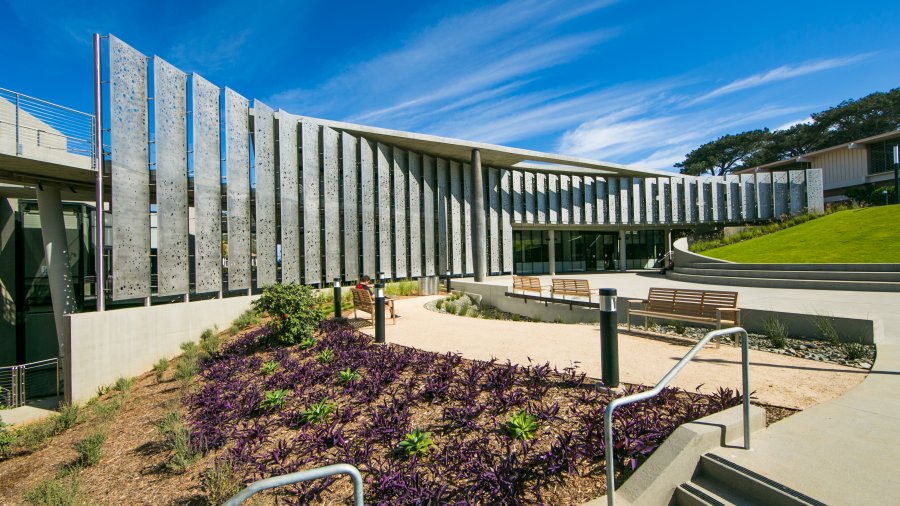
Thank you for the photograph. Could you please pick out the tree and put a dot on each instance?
(725, 154)
(851, 120)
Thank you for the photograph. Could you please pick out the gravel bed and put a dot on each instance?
(811, 349)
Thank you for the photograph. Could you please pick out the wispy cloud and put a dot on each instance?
(789, 124)
(779, 74)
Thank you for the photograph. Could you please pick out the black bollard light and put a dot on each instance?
(609, 339)
(448, 280)
(379, 313)
(337, 298)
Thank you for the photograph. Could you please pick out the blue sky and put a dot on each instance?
(627, 81)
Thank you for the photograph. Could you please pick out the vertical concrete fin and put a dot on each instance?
(237, 173)
(350, 181)
(368, 186)
(764, 195)
(415, 214)
(207, 186)
(443, 216)
(797, 180)
(467, 210)
(289, 192)
(312, 173)
(385, 216)
(530, 200)
(264, 158)
(815, 202)
(577, 200)
(429, 192)
(494, 218)
(565, 199)
(331, 188)
(505, 218)
(541, 197)
(590, 200)
(748, 197)
(456, 232)
(553, 200)
(602, 196)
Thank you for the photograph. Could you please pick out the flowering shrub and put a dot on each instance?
(294, 309)
(406, 401)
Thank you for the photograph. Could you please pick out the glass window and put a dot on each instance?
(881, 156)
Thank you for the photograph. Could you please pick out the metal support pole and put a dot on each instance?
(479, 234)
(609, 339)
(896, 174)
(623, 257)
(448, 280)
(98, 165)
(551, 252)
(337, 298)
(379, 313)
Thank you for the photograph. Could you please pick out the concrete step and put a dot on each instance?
(692, 494)
(800, 267)
(739, 485)
(862, 276)
(809, 284)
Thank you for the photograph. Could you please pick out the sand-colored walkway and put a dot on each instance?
(777, 379)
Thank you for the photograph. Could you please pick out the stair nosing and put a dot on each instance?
(701, 494)
(796, 494)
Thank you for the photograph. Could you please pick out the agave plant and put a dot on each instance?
(416, 443)
(521, 425)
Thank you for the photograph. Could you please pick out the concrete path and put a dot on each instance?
(842, 451)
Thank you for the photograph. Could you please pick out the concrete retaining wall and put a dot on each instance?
(127, 342)
(799, 324)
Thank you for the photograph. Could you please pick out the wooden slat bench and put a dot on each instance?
(527, 284)
(363, 301)
(577, 287)
(697, 306)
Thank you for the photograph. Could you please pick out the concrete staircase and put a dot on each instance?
(718, 481)
(855, 277)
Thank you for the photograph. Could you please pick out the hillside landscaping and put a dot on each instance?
(864, 235)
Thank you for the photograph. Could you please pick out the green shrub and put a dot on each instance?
(680, 327)
(54, 492)
(450, 308)
(268, 368)
(34, 436)
(439, 304)
(106, 410)
(69, 416)
(776, 330)
(274, 400)
(347, 376)
(210, 342)
(246, 319)
(206, 334)
(8, 439)
(221, 481)
(521, 425)
(536, 319)
(402, 288)
(825, 326)
(186, 368)
(176, 437)
(515, 317)
(294, 310)
(416, 442)
(317, 412)
(123, 384)
(326, 356)
(90, 448)
(854, 350)
(307, 342)
(160, 367)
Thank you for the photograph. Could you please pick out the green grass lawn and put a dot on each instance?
(870, 235)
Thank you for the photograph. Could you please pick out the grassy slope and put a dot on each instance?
(870, 235)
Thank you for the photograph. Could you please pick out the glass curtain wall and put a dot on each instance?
(584, 251)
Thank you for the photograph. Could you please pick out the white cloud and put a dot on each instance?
(789, 124)
(779, 74)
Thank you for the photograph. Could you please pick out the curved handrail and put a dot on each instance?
(307, 475)
(607, 419)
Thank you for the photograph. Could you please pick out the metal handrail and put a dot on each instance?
(13, 381)
(307, 475)
(631, 399)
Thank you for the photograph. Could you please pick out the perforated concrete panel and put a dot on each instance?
(331, 184)
(797, 179)
(764, 195)
(541, 182)
(518, 197)
(443, 201)
(650, 186)
(717, 187)
(312, 248)
(368, 186)
(705, 204)
(612, 198)
(779, 194)
(590, 200)
(637, 204)
(565, 199)
(577, 200)
(456, 198)
(130, 199)
(748, 197)
(415, 214)
(692, 193)
(530, 200)
(493, 194)
(733, 197)
(237, 171)
(170, 112)
(350, 180)
(676, 200)
(814, 191)
(289, 193)
(383, 159)
(664, 199)
(429, 188)
(625, 185)
(553, 198)
(602, 208)
(505, 218)
(264, 156)
(401, 232)
(207, 186)
(468, 259)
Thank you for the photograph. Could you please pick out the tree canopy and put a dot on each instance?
(848, 121)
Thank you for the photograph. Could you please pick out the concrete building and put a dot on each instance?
(209, 197)
(845, 166)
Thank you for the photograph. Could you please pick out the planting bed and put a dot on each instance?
(358, 401)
